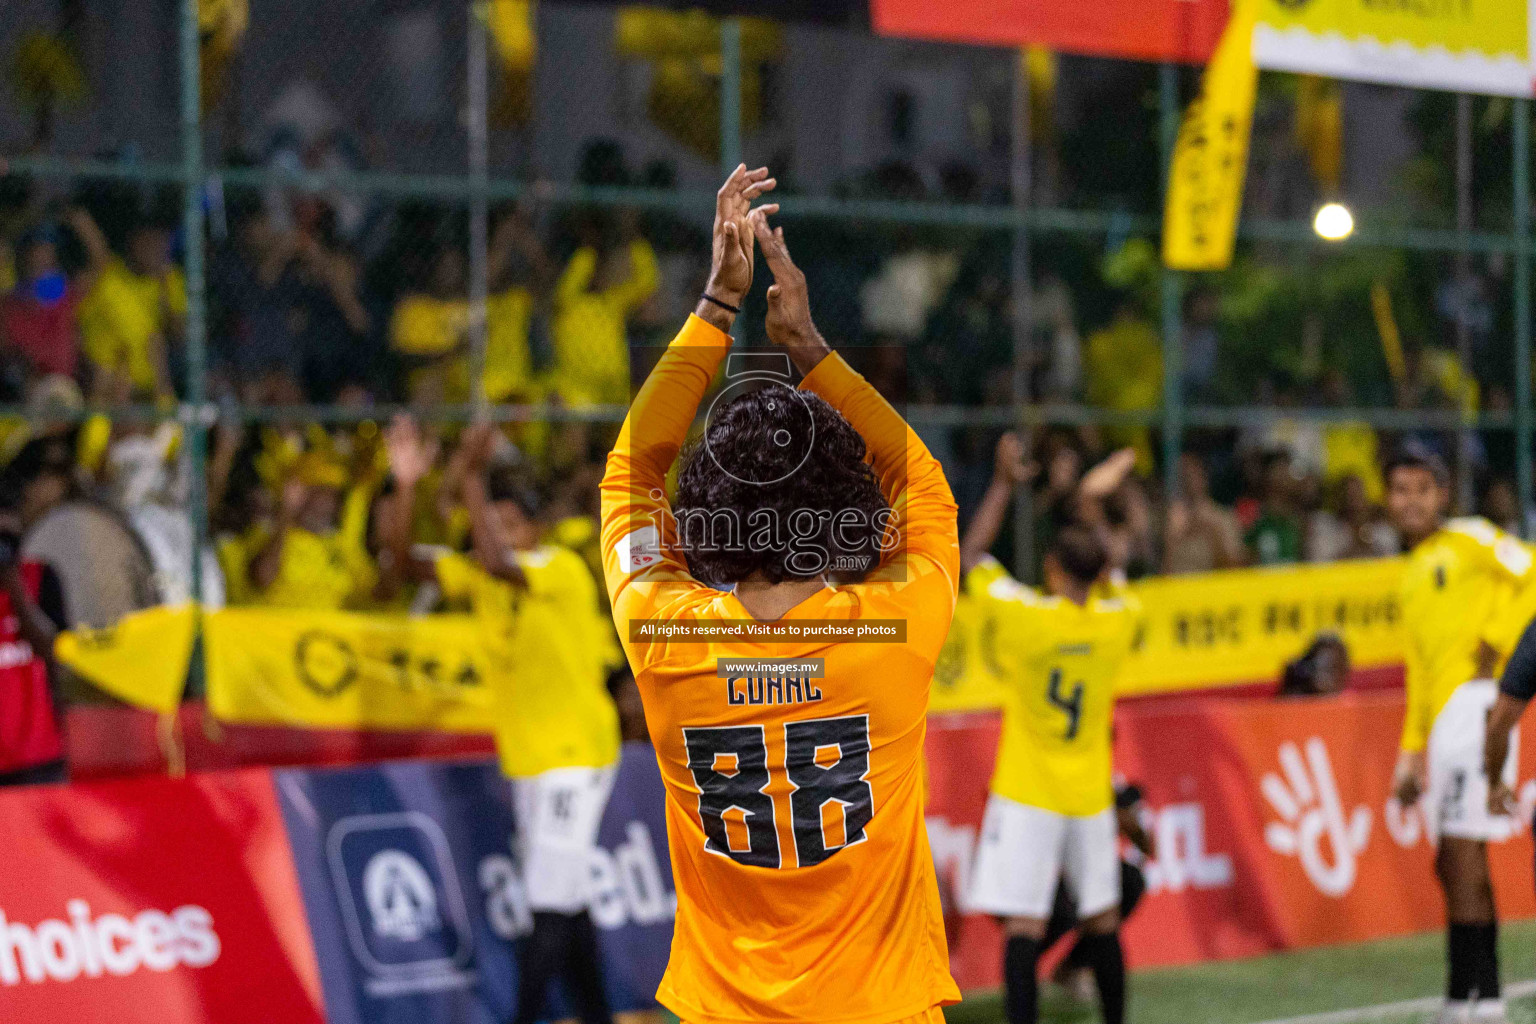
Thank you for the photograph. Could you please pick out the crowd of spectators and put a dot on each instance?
(318, 298)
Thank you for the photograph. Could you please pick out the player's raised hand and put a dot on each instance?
(478, 446)
(730, 274)
(411, 455)
(1105, 479)
(789, 322)
(1010, 466)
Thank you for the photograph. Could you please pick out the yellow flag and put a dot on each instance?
(512, 32)
(1205, 183)
(1320, 129)
(1041, 69)
(345, 670)
(142, 660)
(1386, 329)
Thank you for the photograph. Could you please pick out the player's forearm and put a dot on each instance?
(268, 562)
(717, 316)
(633, 489)
(1502, 717)
(400, 566)
(485, 534)
(663, 410)
(808, 351)
(985, 525)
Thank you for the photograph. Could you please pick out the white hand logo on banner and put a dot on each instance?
(1307, 798)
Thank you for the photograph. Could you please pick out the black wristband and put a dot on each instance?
(733, 310)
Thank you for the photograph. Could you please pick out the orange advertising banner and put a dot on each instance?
(1273, 823)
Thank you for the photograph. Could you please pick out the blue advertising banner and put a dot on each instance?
(415, 903)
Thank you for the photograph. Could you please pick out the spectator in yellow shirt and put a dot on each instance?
(316, 555)
(593, 301)
(131, 317)
(518, 271)
(430, 329)
(1124, 370)
(1350, 447)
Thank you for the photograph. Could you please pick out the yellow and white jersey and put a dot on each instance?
(1060, 662)
(553, 647)
(966, 676)
(1466, 584)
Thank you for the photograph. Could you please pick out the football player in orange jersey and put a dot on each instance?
(806, 889)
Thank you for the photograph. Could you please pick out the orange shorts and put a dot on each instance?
(932, 1015)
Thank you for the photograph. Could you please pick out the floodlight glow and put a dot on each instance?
(1334, 222)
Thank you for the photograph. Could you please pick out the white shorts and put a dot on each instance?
(1025, 852)
(558, 815)
(1456, 799)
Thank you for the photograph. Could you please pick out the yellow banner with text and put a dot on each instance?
(344, 670)
(1213, 630)
(1459, 45)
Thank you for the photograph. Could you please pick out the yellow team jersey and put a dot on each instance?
(1059, 662)
(319, 571)
(588, 329)
(805, 885)
(1467, 583)
(550, 644)
(331, 571)
(429, 327)
(234, 552)
(121, 317)
(508, 360)
(966, 677)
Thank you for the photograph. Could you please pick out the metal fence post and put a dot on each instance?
(1171, 288)
(1522, 226)
(730, 94)
(1461, 466)
(730, 106)
(1023, 303)
(479, 209)
(193, 414)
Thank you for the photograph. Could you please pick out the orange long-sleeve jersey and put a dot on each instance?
(806, 889)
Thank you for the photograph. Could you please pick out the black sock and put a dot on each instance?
(543, 954)
(1486, 980)
(1020, 960)
(584, 972)
(1461, 956)
(1102, 952)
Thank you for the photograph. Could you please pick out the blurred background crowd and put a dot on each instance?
(332, 301)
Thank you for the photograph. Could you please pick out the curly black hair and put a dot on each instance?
(778, 488)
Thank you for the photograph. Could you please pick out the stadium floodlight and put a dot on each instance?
(1334, 222)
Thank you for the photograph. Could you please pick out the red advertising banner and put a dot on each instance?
(153, 901)
(1273, 826)
(1176, 30)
